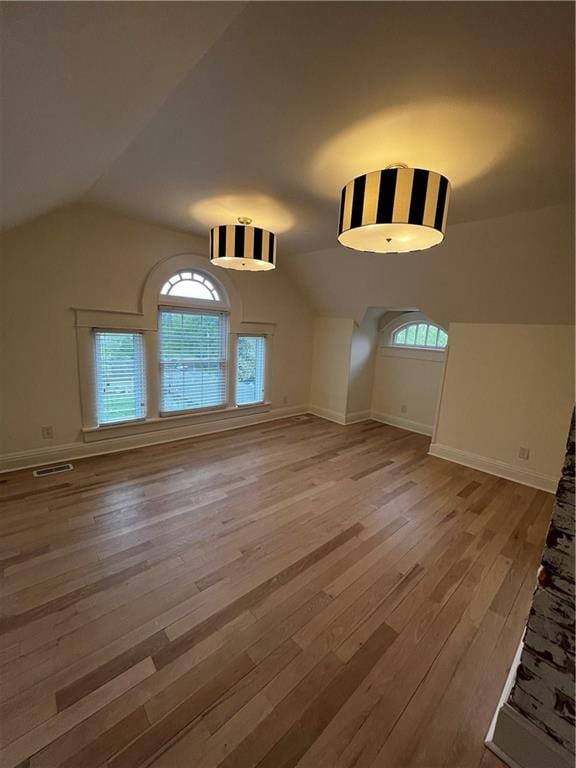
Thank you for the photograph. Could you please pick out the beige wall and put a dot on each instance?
(510, 269)
(406, 387)
(83, 256)
(362, 356)
(331, 366)
(506, 387)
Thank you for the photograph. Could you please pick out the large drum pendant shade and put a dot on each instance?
(238, 246)
(395, 210)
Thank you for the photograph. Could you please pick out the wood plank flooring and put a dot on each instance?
(291, 594)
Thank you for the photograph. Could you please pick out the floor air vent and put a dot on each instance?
(52, 470)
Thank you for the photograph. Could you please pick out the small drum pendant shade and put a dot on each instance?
(394, 211)
(237, 246)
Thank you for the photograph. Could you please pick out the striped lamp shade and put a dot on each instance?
(395, 210)
(238, 246)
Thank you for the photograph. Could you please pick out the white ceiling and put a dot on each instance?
(190, 114)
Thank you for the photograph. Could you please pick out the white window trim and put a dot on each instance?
(414, 353)
(267, 368)
(194, 305)
(163, 423)
(145, 322)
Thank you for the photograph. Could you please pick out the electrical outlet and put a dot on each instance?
(47, 432)
(403, 409)
(524, 453)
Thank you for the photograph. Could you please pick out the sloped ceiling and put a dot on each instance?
(79, 83)
(191, 114)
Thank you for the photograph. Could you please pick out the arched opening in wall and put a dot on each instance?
(408, 370)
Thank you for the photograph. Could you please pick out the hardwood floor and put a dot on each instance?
(291, 594)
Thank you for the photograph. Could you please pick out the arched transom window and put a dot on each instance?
(190, 285)
(426, 335)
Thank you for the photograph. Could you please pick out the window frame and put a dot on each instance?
(226, 345)
(416, 323)
(139, 419)
(187, 300)
(403, 318)
(265, 391)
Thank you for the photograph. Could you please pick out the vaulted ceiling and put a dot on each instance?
(192, 114)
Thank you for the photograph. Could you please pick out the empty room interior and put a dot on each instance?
(287, 385)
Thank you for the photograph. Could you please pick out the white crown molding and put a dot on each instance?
(40, 456)
(403, 423)
(495, 467)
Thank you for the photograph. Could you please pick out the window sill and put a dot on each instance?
(415, 353)
(161, 423)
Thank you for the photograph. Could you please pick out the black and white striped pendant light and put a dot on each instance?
(240, 246)
(396, 210)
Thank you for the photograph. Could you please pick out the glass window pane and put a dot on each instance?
(120, 379)
(432, 336)
(191, 289)
(442, 338)
(421, 335)
(411, 335)
(190, 285)
(250, 369)
(400, 337)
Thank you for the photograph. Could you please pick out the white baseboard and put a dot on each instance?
(495, 467)
(357, 416)
(517, 741)
(40, 456)
(403, 423)
(337, 417)
(520, 744)
(326, 413)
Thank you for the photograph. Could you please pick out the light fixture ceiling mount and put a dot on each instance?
(243, 247)
(395, 210)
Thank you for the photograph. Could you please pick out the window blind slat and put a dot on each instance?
(250, 370)
(120, 379)
(193, 360)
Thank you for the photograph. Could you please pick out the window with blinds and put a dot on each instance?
(120, 379)
(250, 369)
(193, 360)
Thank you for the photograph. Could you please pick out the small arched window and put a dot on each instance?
(190, 285)
(425, 335)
